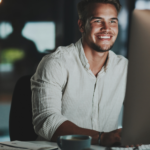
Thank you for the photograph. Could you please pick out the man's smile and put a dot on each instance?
(104, 37)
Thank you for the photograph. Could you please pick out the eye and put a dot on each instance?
(112, 21)
(98, 21)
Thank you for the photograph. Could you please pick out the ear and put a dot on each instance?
(81, 26)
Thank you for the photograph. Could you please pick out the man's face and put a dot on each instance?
(101, 28)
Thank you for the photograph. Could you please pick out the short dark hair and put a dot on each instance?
(83, 7)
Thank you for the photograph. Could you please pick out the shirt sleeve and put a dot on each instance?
(47, 85)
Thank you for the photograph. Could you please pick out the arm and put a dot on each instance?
(68, 128)
(47, 84)
(107, 139)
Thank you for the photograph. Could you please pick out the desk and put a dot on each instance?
(36, 145)
(94, 147)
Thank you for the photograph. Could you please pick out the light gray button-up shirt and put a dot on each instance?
(64, 88)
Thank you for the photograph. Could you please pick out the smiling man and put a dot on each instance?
(80, 89)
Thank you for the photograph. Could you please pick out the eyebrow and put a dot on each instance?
(114, 19)
(92, 18)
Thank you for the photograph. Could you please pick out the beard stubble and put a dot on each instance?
(99, 48)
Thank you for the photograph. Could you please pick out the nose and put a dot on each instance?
(106, 27)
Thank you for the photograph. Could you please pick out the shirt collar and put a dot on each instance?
(84, 59)
(82, 54)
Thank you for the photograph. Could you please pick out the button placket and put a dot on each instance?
(95, 107)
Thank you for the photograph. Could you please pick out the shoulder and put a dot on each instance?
(61, 53)
(59, 58)
(53, 66)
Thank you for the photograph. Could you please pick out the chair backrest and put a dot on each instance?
(20, 120)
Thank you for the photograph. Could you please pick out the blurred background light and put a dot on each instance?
(5, 29)
(4, 122)
(8, 57)
(6, 67)
(11, 55)
(123, 17)
(41, 33)
(142, 4)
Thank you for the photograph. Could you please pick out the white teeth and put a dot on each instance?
(104, 37)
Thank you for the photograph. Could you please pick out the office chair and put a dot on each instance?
(20, 120)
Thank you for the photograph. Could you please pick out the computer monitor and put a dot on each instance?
(136, 116)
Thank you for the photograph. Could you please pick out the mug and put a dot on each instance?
(74, 142)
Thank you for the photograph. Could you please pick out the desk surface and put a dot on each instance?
(95, 147)
(37, 145)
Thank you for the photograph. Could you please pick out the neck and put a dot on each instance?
(96, 59)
